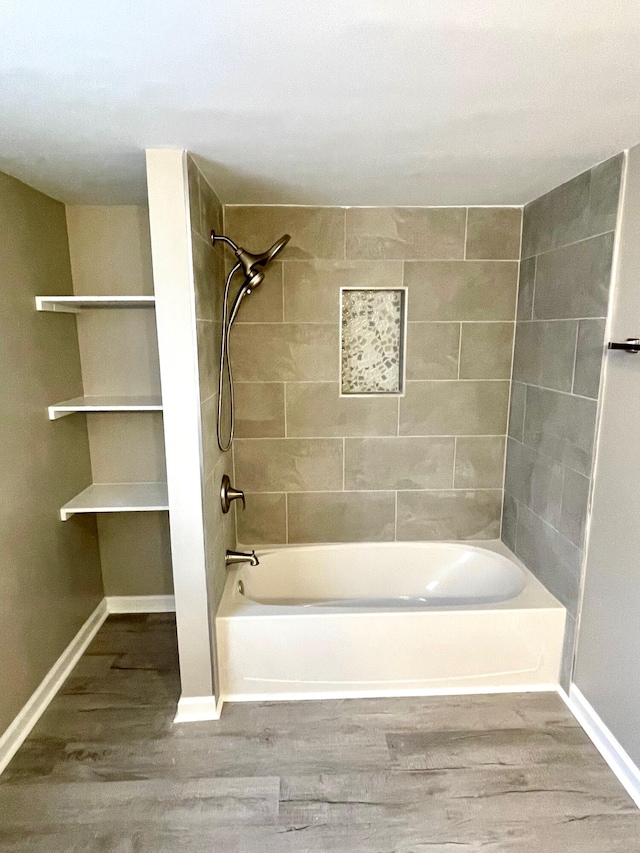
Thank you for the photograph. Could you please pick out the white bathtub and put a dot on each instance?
(386, 619)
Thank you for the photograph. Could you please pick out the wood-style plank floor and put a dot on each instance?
(106, 770)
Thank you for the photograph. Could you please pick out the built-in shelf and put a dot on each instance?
(74, 304)
(104, 404)
(118, 497)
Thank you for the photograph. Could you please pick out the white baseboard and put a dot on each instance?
(627, 773)
(15, 735)
(141, 603)
(193, 709)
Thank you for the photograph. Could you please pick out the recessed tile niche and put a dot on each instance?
(372, 340)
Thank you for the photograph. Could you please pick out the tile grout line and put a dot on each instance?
(511, 379)
(233, 472)
(550, 390)
(573, 243)
(381, 436)
(286, 516)
(344, 232)
(459, 360)
(466, 231)
(533, 291)
(284, 403)
(455, 458)
(575, 359)
(395, 517)
(371, 490)
(441, 322)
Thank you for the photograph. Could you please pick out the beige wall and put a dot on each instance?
(49, 571)
(208, 278)
(428, 465)
(111, 254)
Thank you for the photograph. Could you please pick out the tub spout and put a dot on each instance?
(234, 557)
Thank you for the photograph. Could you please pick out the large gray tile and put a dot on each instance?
(259, 409)
(461, 290)
(208, 357)
(341, 517)
(405, 232)
(574, 281)
(288, 464)
(312, 288)
(561, 426)
(194, 195)
(486, 350)
(316, 232)
(589, 354)
(432, 350)
(479, 462)
(211, 213)
(264, 521)
(454, 408)
(399, 463)
(557, 218)
(535, 481)
(509, 521)
(207, 284)
(575, 502)
(526, 288)
(449, 515)
(277, 352)
(493, 232)
(265, 303)
(553, 559)
(544, 353)
(317, 409)
(517, 410)
(605, 192)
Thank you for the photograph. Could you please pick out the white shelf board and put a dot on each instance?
(74, 304)
(104, 404)
(118, 497)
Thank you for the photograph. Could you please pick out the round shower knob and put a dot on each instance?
(228, 494)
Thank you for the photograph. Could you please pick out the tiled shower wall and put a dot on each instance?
(208, 274)
(567, 246)
(428, 465)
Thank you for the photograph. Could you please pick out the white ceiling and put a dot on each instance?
(318, 101)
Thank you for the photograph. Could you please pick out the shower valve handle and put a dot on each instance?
(228, 494)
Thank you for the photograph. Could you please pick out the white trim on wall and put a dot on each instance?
(20, 728)
(141, 603)
(627, 773)
(172, 261)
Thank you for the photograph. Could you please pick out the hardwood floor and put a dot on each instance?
(106, 771)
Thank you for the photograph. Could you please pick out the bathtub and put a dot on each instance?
(386, 619)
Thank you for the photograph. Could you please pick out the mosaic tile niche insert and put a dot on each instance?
(372, 341)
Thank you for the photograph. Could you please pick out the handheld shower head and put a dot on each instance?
(254, 267)
(252, 263)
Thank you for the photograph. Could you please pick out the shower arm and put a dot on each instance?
(215, 238)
